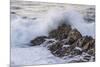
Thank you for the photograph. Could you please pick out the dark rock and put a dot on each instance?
(85, 43)
(49, 42)
(73, 36)
(86, 47)
(61, 32)
(38, 40)
(91, 51)
(65, 51)
(58, 50)
(56, 46)
(89, 45)
(61, 52)
(76, 52)
(64, 36)
(81, 42)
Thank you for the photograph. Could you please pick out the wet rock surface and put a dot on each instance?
(85, 42)
(61, 32)
(73, 36)
(69, 42)
(39, 40)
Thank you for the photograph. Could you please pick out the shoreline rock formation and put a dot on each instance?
(69, 42)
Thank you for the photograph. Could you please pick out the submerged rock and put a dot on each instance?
(39, 40)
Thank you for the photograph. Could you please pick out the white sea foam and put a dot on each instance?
(33, 56)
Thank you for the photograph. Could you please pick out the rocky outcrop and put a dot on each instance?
(69, 42)
(75, 42)
(84, 44)
(59, 50)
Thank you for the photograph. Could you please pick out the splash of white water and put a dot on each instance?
(24, 30)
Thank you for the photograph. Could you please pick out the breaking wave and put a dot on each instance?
(23, 30)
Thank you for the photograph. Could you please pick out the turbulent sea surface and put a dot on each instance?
(32, 19)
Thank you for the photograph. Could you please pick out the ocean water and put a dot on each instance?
(25, 29)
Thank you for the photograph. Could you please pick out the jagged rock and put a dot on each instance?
(73, 36)
(59, 50)
(91, 44)
(84, 42)
(76, 52)
(91, 51)
(64, 40)
(39, 40)
(87, 44)
(62, 52)
(65, 51)
(55, 46)
(61, 32)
